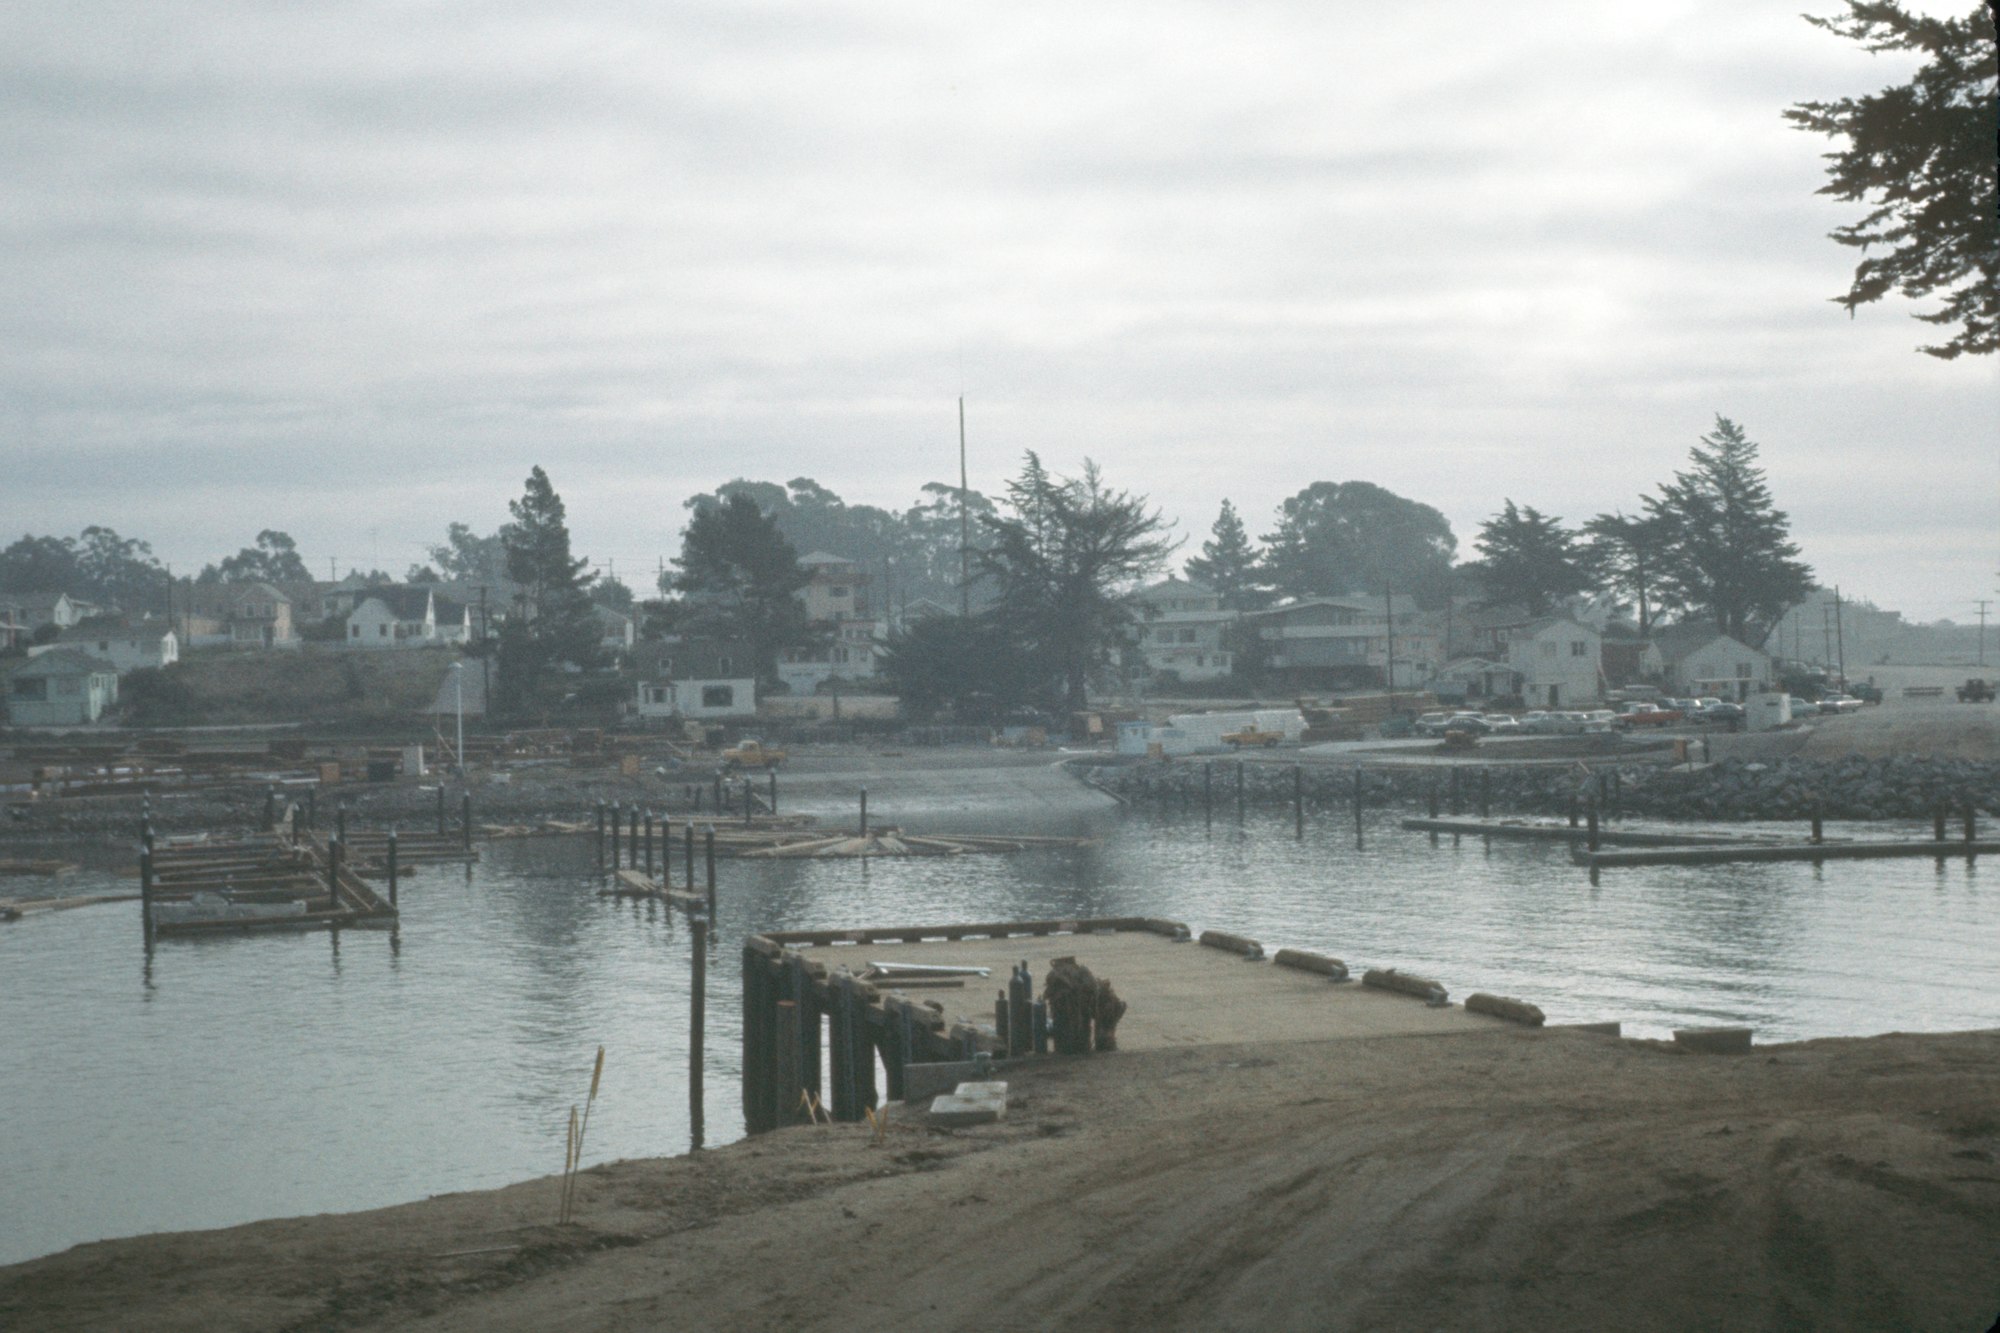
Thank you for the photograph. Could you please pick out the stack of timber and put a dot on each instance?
(254, 882)
(10, 867)
(895, 842)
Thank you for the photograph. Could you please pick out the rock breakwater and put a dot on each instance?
(1852, 788)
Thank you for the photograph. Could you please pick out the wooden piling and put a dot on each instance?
(1485, 793)
(773, 775)
(708, 855)
(1592, 841)
(632, 838)
(1455, 807)
(333, 870)
(392, 867)
(146, 893)
(440, 805)
(697, 1023)
(864, 812)
(1431, 790)
(1818, 824)
(758, 1001)
(649, 844)
(688, 838)
(312, 808)
(1971, 823)
(786, 1091)
(600, 835)
(1573, 816)
(1937, 824)
(1020, 1011)
(340, 821)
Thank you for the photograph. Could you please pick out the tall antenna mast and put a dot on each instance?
(964, 522)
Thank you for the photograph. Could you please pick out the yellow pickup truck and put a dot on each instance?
(749, 753)
(1252, 736)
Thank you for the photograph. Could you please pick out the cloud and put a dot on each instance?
(360, 265)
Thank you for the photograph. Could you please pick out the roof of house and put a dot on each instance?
(697, 659)
(821, 558)
(104, 627)
(1174, 583)
(402, 603)
(1687, 637)
(65, 662)
(239, 592)
(610, 615)
(1534, 627)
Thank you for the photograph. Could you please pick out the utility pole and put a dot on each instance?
(964, 521)
(1983, 604)
(1839, 637)
(485, 661)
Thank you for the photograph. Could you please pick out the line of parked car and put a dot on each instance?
(1578, 722)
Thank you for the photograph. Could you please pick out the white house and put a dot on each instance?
(849, 637)
(392, 617)
(127, 645)
(615, 630)
(1181, 627)
(35, 609)
(1557, 661)
(697, 678)
(66, 687)
(1701, 662)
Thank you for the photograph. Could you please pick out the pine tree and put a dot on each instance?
(1728, 553)
(1922, 154)
(737, 577)
(552, 621)
(1530, 559)
(1228, 563)
(1625, 555)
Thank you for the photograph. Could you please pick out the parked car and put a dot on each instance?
(1838, 703)
(1502, 724)
(1660, 714)
(1541, 722)
(1467, 722)
(1597, 719)
(1722, 711)
(1431, 724)
(1803, 707)
(752, 753)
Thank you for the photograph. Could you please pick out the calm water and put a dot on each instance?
(231, 1079)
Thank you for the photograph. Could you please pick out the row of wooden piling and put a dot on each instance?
(787, 996)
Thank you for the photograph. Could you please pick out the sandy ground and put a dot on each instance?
(1484, 1179)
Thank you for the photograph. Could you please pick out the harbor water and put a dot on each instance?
(221, 1080)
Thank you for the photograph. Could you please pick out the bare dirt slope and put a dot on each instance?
(1497, 1179)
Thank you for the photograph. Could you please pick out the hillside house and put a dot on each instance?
(32, 610)
(1556, 659)
(63, 688)
(128, 645)
(696, 678)
(389, 616)
(848, 637)
(616, 631)
(1346, 641)
(1181, 628)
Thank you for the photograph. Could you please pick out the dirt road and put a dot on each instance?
(1499, 1179)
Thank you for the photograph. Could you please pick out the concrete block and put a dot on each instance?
(1713, 1041)
(971, 1104)
(1501, 1006)
(921, 1082)
(1306, 960)
(1236, 944)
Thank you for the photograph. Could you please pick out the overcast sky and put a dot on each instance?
(349, 270)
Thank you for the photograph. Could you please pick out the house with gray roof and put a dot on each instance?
(62, 688)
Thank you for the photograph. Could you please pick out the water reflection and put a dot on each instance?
(253, 1076)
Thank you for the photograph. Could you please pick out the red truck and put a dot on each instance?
(1648, 715)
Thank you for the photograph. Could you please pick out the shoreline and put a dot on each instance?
(1495, 1178)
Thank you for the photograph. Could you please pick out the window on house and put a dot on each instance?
(718, 696)
(1579, 648)
(836, 592)
(381, 631)
(725, 666)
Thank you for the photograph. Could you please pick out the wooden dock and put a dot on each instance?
(258, 882)
(1797, 851)
(1179, 991)
(1551, 830)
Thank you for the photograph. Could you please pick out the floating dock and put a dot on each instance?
(912, 995)
(1798, 851)
(1550, 830)
(256, 882)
